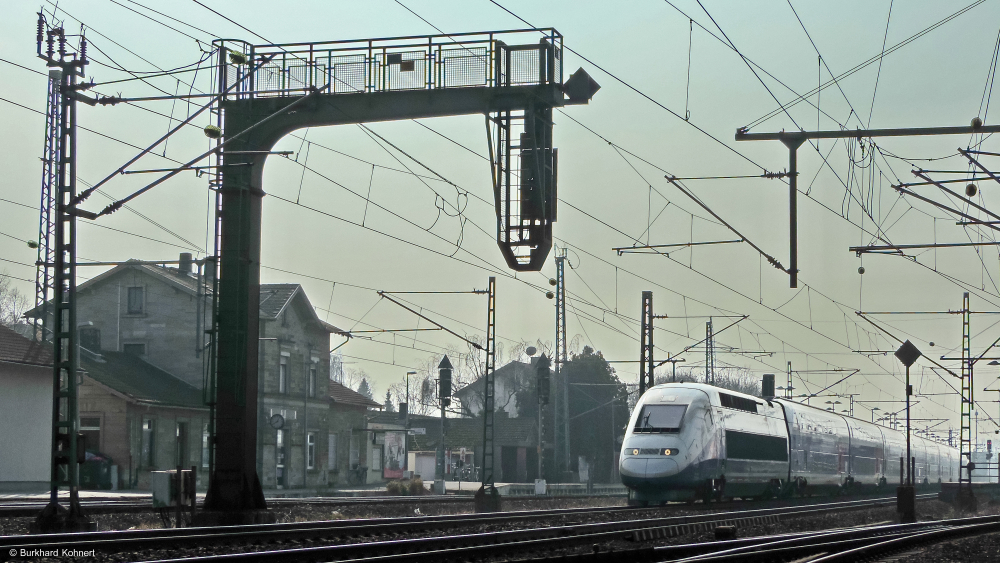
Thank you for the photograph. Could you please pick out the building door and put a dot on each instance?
(279, 465)
(508, 464)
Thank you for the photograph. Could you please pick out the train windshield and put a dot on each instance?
(660, 418)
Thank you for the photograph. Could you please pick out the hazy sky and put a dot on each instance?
(937, 79)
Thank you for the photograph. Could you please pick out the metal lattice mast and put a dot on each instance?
(709, 354)
(562, 441)
(489, 388)
(51, 156)
(646, 344)
(965, 420)
(67, 445)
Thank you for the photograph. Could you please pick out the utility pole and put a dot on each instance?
(542, 394)
(68, 445)
(487, 499)
(794, 139)
(562, 431)
(646, 344)
(966, 498)
(709, 353)
(444, 396)
(788, 388)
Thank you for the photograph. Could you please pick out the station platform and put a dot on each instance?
(457, 488)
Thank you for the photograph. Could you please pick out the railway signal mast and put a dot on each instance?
(264, 92)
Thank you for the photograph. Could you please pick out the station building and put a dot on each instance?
(146, 354)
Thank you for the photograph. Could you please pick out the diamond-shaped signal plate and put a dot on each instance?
(908, 353)
(581, 87)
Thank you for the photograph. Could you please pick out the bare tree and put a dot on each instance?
(13, 303)
(352, 378)
(736, 379)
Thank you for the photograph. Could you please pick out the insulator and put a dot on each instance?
(49, 48)
(41, 30)
(83, 50)
(237, 58)
(213, 132)
(62, 44)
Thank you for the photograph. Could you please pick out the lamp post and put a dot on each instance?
(906, 501)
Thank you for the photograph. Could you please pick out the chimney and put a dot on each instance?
(767, 386)
(185, 263)
(403, 407)
(208, 271)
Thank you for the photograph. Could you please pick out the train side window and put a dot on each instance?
(740, 403)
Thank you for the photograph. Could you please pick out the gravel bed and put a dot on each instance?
(929, 510)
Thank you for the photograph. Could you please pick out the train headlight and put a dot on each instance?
(670, 451)
(635, 451)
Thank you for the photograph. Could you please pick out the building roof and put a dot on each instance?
(140, 381)
(512, 369)
(17, 349)
(274, 297)
(342, 395)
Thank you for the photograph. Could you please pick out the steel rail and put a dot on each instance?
(435, 548)
(896, 544)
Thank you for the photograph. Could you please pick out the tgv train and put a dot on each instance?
(687, 441)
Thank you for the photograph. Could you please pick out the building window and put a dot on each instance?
(90, 427)
(279, 459)
(206, 452)
(283, 375)
(134, 348)
(148, 442)
(355, 453)
(310, 450)
(312, 380)
(331, 452)
(136, 301)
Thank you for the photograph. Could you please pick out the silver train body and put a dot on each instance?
(688, 441)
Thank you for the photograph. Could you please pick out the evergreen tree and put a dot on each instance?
(364, 388)
(388, 402)
(598, 410)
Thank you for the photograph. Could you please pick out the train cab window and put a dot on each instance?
(660, 418)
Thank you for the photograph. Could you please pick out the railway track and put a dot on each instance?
(365, 539)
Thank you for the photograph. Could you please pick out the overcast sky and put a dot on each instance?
(611, 195)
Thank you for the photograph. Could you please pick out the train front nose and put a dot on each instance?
(637, 468)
